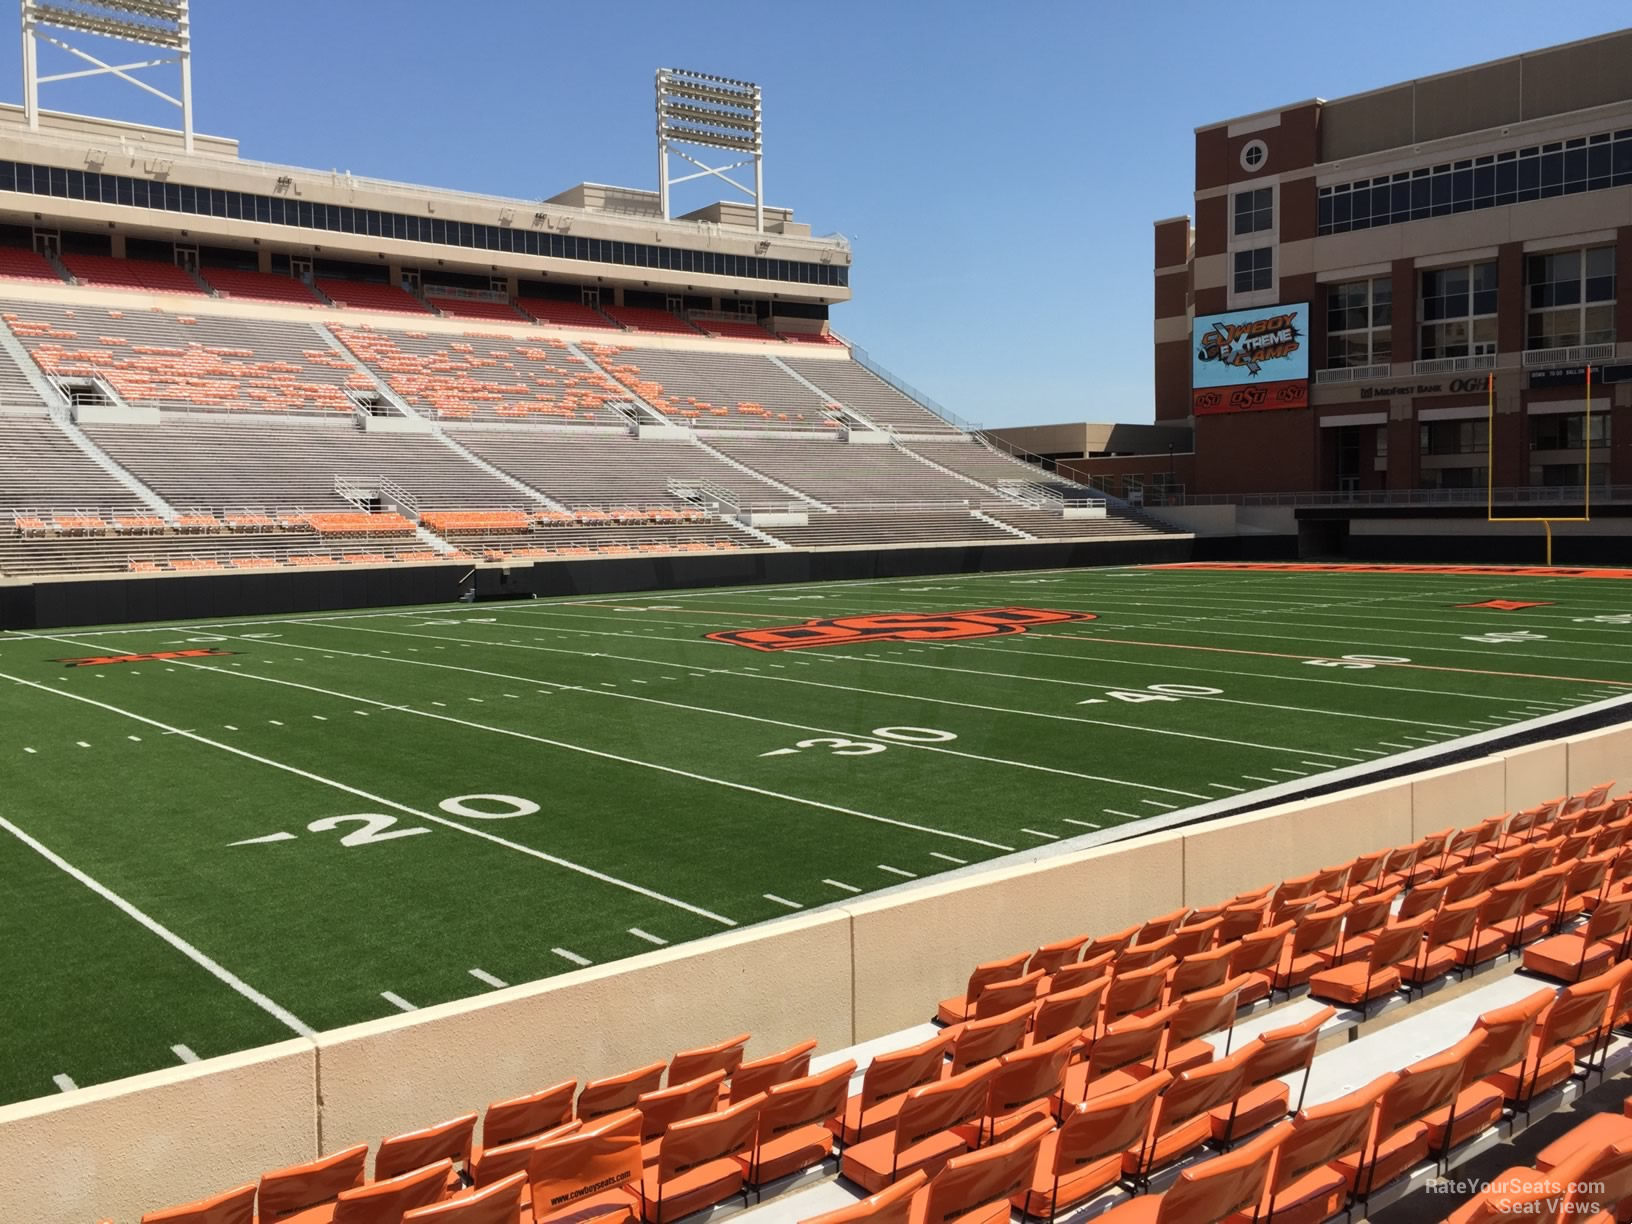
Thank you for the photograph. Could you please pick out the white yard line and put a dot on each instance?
(897, 871)
(397, 1001)
(849, 888)
(1051, 836)
(572, 956)
(947, 857)
(63, 1083)
(782, 901)
(648, 936)
(184, 1053)
(482, 975)
(214, 968)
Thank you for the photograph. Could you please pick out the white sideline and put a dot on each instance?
(436, 818)
(214, 968)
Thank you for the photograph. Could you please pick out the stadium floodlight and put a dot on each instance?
(162, 24)
(711, 112)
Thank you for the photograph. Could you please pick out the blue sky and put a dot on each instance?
(997, 166)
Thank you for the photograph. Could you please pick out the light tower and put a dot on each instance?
(161, 24)
(712, 112)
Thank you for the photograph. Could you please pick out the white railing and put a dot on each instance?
(1450, 365)
(465, 295)
(1578, 355)
(1353, 373)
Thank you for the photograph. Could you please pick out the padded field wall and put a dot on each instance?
(848, 973)
(114, 601)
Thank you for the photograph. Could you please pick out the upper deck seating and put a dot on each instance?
(189, 363)
(245, 283)
(20, 263)
(714, 390)
(105, 271)
(734, 329)
(474, 308)
(565, 314)
(802, 337)
(649, 319)
(370, 295)
(875, 399)
(485, 376)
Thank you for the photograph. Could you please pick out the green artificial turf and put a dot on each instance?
(683, 786)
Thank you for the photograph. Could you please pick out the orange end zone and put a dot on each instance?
(1299, 567)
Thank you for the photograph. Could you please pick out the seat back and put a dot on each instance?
(1136, 990)
(1597, 1178)
(1080, 973)
(1368, 913)
(1576, 1011)
(933, 1108)
(415, 1149)
(761, 1074)
(661, 1109)
(1205, 1011)
(986, 1177)
(1112, 943)
(493, 1164)
(891, 1205)
(1072, 1009)
(1331, 880)
(811, 1100)
(1468, 882)
(1426, 1085)
(1425, 898)
(1452, 924)
(724, 1056)
(1261, 950)
(1224, 1185)
(597, 1158)
(1507, 1032)
(618, 1092)
(500, 1203)
(1006, 969)
(1323, 1133)
(1364, 871)
(1052, 956)
(1031, 1074)
(1161, 927)
(1141, 956)
(1129, 1041)
(1278, 1052)
(1001, 997)
(1194, 937)
(236, 1206)
(1319, 929)
(1107, 1124)
(283, 1192)
(1242, 919)
(1609, 919)
(696, 1141)
(1399, 860)
(1200, 970)
(898, 1071)
(507, 1121)
(383, 1202)
(1191, 1094)
(979, 1041)
(1397, 942)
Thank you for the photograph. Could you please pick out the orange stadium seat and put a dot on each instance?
(500, 1203)
(236, 1206)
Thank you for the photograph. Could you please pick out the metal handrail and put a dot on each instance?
(1534, 495)
(865, 360)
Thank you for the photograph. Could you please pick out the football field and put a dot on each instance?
(216, 835)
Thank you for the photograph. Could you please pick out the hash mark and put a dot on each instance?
(1234, 790)
(1087, 824)
(648, 936)
(397, 1001)
(1157, 803)
(896, 871)
(949, 858)
(481, 975)
(849, 888)
(782, 901)
(572, 956)
(1123, 815)
(1040, 833)
(63, 1083)
(184, 1053)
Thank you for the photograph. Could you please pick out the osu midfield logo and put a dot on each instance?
(156, 656)
(898, 627)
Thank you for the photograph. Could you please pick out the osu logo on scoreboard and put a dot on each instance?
(898, 627)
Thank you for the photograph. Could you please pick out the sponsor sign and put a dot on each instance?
(1457, 386)
(1576, 375)
(1249, 360)
(898, 627)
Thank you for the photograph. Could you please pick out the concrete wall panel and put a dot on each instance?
(1536, 774)
(1600, 756)
(1458, 795)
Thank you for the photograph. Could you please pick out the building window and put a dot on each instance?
(1514, 176)
(1453, 437)
(1455, 478)
(1458, 311)
(1359, 323)
(1254, 211)
(1564, 431)
(1254, 270)
(1572, 298)
(1253, 154)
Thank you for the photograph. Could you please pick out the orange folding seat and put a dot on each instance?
(1367, 915)
(1197, 1015)
(1587, 951)
(723, 1056)
(1071, 1009)
(1184, 1112)
(1142, 956)
(1194, 938)
(958, 1008)
(1305, 1188)
(978, 1041)
(1160, 928)
(1122, 1053)
(1243, 919)
(1272, 1055)
(1570, 1191)
(976, 1187)
(1476, 1105)
(1468, 882)
(1576, 1013)
(618, 1092)
(1210, 1190)
(1583, 885)
(1297, 908)
(884, 1085)
(384, 1201)
(1084, 1155)
(1113, 943)
(1001, 997)
(1399, 1136)
(1314, 935)
(1401, 867)
(1451, 928)
(1294, 888)
(795, 1129)
(522, 1117)
(1201, 970)
(1258, 955)
(889, 1206)
(1135, 991)
(1028, 1083)
(936, 1122)
(760, 1074)
(1051, 956)
(236, 1206)
(586, 1176)
(451, 1140)
(1358, 983)
(700, 1162)
(286, 1193)
(1080, 973)
(1364, 874)
(665, 1106)
(499, 1203)
(1425, 898)
(493, 1164)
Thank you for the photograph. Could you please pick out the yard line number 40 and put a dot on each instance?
(372, 828)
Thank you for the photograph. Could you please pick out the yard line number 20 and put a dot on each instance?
(372, 828)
